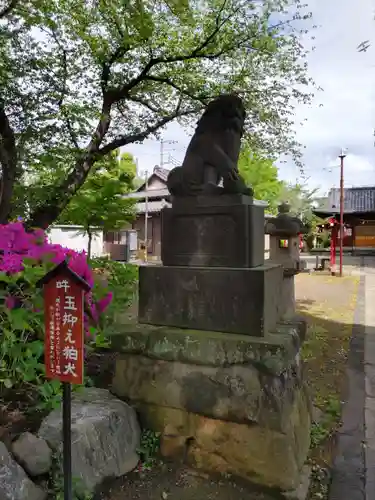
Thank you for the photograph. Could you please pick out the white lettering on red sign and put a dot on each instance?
(70, 353)
(63, 284)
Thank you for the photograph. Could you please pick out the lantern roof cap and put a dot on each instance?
(284, 224)
(63, 270)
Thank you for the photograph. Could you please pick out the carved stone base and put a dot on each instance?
(246, 301)
(222, 402)
(223, 231)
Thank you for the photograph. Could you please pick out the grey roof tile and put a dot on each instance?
(355, 199)
(161, 172)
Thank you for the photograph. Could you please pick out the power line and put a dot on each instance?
(162, 142)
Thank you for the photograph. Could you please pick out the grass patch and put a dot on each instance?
(328, 304)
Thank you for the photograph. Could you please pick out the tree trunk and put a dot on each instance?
(89, 243)
(6, 191)
(45, 215)
(8, 162)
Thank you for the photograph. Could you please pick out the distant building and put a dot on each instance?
(157, 196)
(359, 216)
(152, 198)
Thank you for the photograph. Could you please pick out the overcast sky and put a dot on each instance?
(347, 115)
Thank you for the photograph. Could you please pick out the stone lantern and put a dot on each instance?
(284, 231)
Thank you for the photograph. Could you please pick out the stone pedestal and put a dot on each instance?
(288, 302)
(222, 299)
(213, 363)
(222, 402)
(213, 231)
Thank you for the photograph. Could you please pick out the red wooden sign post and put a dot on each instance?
(64, 344)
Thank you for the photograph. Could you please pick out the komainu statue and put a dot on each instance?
(212, 154)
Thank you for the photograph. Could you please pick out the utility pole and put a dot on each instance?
(146, 216)
(161, 152)
(162, 142)
(341, 156)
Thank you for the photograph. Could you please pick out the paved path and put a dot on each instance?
(369, 369)
(353, 475)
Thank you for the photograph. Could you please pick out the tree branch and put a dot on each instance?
(106, 67)
(160, 79)
(7, 10)
(68, 122)
(144, 103)
(197, 53)
(45, 215)
(129, 139)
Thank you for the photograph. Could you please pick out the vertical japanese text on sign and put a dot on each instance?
(64, 343)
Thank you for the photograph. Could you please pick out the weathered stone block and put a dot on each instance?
(223, 402)
(14, 482)
(236, 393)
(226, 376)
(245, 301)
(229, 393)
(105, 437)
(33, 453)
(256, 453)
(224, 231)
(272, 354)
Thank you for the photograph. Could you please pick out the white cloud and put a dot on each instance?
(347, 115)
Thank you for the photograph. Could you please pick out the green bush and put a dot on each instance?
(118, 278)
(324, 239)
(22, 335)
(22, 323)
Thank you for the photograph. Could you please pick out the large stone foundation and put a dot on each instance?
(220, 377)
(222, 402)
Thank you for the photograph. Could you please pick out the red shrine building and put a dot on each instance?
(359, 219)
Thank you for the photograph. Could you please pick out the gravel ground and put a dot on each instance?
(168, 482)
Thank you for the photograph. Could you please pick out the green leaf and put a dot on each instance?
(7, 383)
(19, 319)
(4, 278)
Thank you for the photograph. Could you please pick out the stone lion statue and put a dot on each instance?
(212, 154)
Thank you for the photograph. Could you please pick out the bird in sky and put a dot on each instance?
(363, 46)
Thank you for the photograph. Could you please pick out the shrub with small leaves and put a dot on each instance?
(149, 448)
(56, 484)
(25, 257)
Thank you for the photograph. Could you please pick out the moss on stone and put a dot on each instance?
(272, 353)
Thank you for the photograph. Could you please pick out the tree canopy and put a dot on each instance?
(262, 175)
(100, 202)
(301, 200)
(81, 78)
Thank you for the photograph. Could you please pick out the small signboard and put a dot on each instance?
(63, 316)
(63, 292)
(64, 342)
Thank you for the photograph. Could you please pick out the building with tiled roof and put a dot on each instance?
(359, 200)
(359, 214)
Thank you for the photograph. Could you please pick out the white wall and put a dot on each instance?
(266, 246)
(74, 237)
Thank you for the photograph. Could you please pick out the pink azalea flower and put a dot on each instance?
(103, 303)
(10, 302)
(16, 244)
